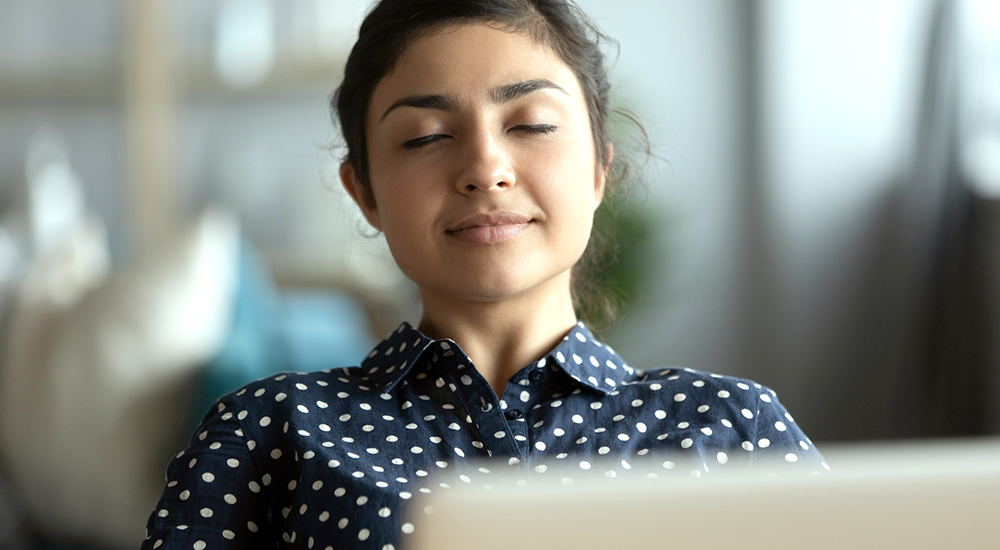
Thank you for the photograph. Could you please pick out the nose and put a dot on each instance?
(486, 165)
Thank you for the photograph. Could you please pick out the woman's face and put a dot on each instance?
(482, 165)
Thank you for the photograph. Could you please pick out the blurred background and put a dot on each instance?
(821, 214)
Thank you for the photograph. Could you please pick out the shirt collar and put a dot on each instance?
(591, 362)
(393, 358)
(579, 355)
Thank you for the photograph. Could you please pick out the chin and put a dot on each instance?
(498, 286)
(491, 290)
(492, 278)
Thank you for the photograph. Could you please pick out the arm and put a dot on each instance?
(214, 497)
(779, 441)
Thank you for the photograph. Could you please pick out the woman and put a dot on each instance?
(477, 144)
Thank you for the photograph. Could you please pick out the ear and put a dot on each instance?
(361, 196)
(601, 177)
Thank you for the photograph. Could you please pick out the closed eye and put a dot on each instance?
(422, 141)
(535, 128)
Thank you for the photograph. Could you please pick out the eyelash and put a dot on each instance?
(534, 129)
(422, 141)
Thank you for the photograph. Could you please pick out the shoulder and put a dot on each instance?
(346, 379)
(280, 396)
(748, 402)
(683, 384)
(743, 406)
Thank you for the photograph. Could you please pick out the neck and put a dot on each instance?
(501, 337)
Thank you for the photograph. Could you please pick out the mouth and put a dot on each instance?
(490, 228)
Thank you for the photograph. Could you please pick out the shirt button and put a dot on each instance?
(536, 375)
(514, 414)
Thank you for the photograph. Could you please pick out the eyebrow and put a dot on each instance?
(500, 94)
(510, 92)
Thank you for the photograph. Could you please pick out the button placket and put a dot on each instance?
(519, 398)
(488, 415)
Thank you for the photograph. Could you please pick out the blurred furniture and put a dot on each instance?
(104, 374)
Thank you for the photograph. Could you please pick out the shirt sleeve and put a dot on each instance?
(213, 497)
(779, 442)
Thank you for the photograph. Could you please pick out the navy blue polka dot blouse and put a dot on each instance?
(328, 459)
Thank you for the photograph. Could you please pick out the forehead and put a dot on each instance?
(469, 59)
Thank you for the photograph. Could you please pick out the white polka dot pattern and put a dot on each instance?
(333, 456)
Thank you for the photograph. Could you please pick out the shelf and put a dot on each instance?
(88, 78)
(291, 77)
(77, 78)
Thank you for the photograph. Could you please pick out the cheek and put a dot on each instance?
(567, 167)
(404, 216)
(565, 182)
(404, 234)
(407, 212)
(399, 189)
(572, 203)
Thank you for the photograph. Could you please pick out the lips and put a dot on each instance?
(489, 228)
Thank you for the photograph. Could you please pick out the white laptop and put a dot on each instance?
(933, 495)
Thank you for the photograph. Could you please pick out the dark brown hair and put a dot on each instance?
(560, 24)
